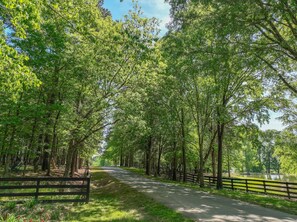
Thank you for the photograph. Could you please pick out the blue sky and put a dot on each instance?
(150, 8)
(274, 123)
(160, 10)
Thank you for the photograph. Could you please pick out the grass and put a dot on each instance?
(110, 200)
(277, 203)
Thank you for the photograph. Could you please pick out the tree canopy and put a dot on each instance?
(74, 82)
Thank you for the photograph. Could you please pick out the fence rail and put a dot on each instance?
(81, 188)
(268, 187)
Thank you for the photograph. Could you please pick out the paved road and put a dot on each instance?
(198, 205)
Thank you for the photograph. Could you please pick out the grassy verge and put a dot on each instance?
(110, 200)
(280, 204)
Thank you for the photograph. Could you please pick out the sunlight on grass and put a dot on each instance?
(110, 200)
(114, 201)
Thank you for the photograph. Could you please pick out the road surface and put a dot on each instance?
(198, 205)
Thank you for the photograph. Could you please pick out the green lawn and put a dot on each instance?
(110, 200)
(281, 204)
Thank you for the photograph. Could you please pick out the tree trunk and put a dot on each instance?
(73, 162)
(69, 157)
(183, 145)
(221, 127)
(148, 156)
(3, 148)
(9, 154)
(11, 144)
(174, 162)
(213, 162)
(268, 163)
(228, 159)
(131, 158)
(46, 147)
(200, 176)
(159, 159)
(121, 157)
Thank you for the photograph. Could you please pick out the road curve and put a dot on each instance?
(198, 205)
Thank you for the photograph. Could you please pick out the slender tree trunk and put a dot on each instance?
(174, 162)
(201, 159)
(73, 162)
(268, 163)
(148, 156)
(30, 145)
(9, 155)
(121, 157)
(54, 145)
(69, 157)
(80, 163)
(228, 160)
(159, 159)
(183, 145)
(3, 147)
(131, 158)
(36, 160)
(54, 151)
(221, 128)
(46, 147)
(127, 160)
(10, 150)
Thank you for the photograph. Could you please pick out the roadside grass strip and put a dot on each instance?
(110, 200)
(273, 202)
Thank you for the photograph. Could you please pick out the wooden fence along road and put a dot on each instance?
(46, 186)
(269, 187)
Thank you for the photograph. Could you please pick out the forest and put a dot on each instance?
(76, 84)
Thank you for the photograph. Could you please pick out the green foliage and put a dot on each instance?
(65, 67)
(217, 75)
(72, 78)
(285, 150)
(10, 205)
(30, 204)
(10, 218)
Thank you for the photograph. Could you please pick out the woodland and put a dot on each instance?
(75, 83)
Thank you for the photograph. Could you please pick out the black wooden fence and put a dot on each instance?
(52, 187)
(269, 187)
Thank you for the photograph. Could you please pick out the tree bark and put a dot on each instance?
(148, 156)
(69, 157)
(221, 128)
(228, 159)
(46, 147)
(159, 159)
(174, 162)
(183, 145)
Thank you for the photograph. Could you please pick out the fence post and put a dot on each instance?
(37, 189)
(232, 184)
(288, 190)
(209, 181)
(246, 185)
(88, 189)
(264, 184)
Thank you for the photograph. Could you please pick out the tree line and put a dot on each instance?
(64, 67)
(226, 66)
(74, 81)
